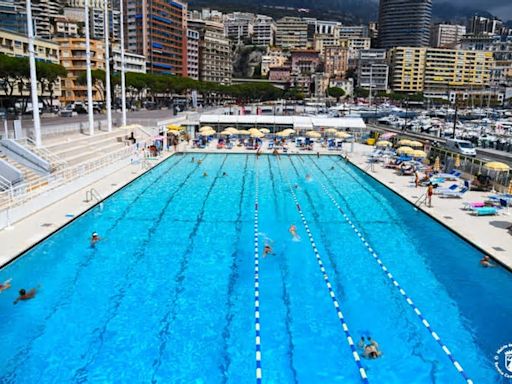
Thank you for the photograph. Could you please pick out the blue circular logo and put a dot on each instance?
(503, 360)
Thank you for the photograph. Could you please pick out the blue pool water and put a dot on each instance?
(168, 295)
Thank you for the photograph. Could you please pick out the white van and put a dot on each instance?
(463, 147)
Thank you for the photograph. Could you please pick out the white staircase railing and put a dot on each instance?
(55, 161)
(23, 192)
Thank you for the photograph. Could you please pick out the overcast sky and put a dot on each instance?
(500, 8)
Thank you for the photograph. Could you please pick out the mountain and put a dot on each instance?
(346, 11)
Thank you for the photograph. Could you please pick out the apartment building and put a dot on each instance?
(274, 57)
(407, 69)
(132, 62)
(215, 61)
(335, 62)
(372, 69)
(73, 58)
(291, 32)
(158, 30)
(193, 54)
(239, 26)
(264, 30)
(447, 35)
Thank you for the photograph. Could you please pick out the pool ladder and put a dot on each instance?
(93, 194)
(421, 200)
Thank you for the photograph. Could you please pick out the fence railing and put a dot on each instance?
(24, 192)
(470, 166)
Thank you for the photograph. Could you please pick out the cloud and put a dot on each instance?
(500, 8)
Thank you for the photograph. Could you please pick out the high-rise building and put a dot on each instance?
(485, 26)
(437, 72)
(215, 62)
(404, 23)
(132, 62)
(291, 32)
(372, 70)
(43, 13)
(12, 17)
(238, 26)
(157, 29)
(447, 35)
(264, 30)
(193, 54)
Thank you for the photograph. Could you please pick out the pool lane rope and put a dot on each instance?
(257, 282)
(397, 285)
(348, 336)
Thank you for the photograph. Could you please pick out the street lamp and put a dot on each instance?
(90, 109)
(108, 97)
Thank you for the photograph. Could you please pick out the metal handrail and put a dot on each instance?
(27, 191)
(45, 152)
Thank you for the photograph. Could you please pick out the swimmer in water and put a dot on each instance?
(5, 285)
(293, 232)
(24, 295)
(332, 168)
(267, 250)
(296, 186)
(486, 262)
(199, 161)
(193, 159)
(308, 177)
(205, 174)
(224, 174)
(94, 239)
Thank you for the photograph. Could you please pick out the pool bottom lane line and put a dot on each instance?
(257, 280)
(388, 274)
(350, 341)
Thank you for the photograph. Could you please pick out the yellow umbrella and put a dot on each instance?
(289, 130)
(437, 164)
(497, 166)
(457, 161)
(264, 130)
(383, 143)
(243, 132)
(283, 134)
(254, 130)
(418, 154)
(205, 128)
(313, 134)
(226, 132)
(405, 150)
(405, 142)
(343, 135)
(208, 132)
(174, 127)
(415, 144)
(331, 130)
(257, 135)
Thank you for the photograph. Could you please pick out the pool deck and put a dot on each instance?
(488, 232)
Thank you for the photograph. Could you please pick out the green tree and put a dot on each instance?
(48, 75)
(361, 92)
(336, 92)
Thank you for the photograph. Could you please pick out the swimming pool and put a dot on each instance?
(175, 288)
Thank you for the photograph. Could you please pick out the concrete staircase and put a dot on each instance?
(77, 149)
(29, 175)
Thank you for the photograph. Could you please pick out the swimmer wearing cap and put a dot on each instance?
(293, 232)
(94, 239)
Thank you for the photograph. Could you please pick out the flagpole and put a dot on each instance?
(123, 78)
(88, 69)
(33, 75)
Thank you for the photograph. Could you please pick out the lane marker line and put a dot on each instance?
(344, 325)
(257, 325)
(400, 289)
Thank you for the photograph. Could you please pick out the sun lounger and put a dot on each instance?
(484, 211)
(451, 188)
(453, 175)
(454, 194)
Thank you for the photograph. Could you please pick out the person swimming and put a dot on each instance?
(370, 348)
(486, 262)
(5, 285)
(24, 295)
(205, 174)
(293, 232)
(267, 250)
(94, 239)
(193, 159)
(224, 174)
(308, 177)
(199, 161)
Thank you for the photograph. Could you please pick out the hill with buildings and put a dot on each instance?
(346, 11)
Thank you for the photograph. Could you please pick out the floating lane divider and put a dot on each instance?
(257, 281)
(350, 340)
(397, 285)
